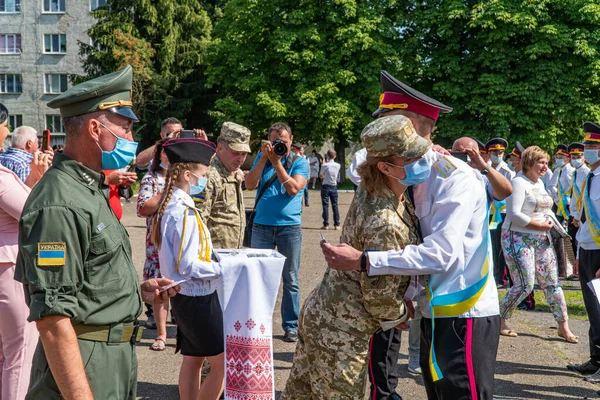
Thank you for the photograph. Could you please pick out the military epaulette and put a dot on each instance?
(444, 166)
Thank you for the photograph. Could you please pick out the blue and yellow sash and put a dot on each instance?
(498, 207)
(457, 303)
(576, 193)
(563, 201)
(591, 216)
(205, 244)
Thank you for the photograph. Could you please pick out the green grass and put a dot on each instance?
(346, 185)
(573, 297)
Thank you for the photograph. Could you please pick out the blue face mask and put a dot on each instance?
(591, 156)
(416, 172)
(121, 156)
(496, 159)
(560, 162)
(199, 187)
(510, 165)
(577, 163)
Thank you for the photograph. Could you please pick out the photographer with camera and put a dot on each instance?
(280, 176)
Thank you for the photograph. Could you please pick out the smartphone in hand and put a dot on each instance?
(323, 237)
(45, 139)
(187, 134)
(172, 285)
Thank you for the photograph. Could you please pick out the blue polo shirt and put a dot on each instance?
(277, 207)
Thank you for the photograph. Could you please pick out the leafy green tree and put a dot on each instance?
(165, 41)
(312, 63)
(523, 70)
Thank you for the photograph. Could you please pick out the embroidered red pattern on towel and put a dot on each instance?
(249, 369)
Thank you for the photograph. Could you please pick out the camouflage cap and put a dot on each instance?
(111, 92)
(236, 135)
(393, 136)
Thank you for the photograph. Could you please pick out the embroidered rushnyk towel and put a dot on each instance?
(249, 285)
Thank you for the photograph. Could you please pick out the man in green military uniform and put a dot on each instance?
(75, 257)
(223, 208)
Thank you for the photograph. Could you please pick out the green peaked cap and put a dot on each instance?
(111, 92)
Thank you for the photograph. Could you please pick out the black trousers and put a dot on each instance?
(589, 264)
(501, 274)
(466, 350)
(572, 229)
(383, 361)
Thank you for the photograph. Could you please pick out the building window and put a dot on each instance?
(55, 44)
(54, 123)
(54, 6)
(55, 83)
(96, 4)
(10, 6)
(10, 44)
(15, 121)
(10, 83)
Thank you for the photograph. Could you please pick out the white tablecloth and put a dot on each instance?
(248, 292)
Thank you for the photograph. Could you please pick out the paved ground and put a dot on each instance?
(531, 366)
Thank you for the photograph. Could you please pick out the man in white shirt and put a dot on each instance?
(495, 148)
(451, 205)
(562, 183)
(580, 173)
(588, 238)
(330, 176)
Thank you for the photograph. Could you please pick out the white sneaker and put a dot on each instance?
(413, 364)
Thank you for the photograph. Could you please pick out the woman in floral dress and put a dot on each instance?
(527, 244)
(149, 196)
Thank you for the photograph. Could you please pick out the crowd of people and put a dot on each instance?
(430, 236)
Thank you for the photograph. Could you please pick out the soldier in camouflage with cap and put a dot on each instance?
(223, 207)
(342, 313)
(75, 256)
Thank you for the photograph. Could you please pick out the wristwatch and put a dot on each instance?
(363, 262)
(484, 171)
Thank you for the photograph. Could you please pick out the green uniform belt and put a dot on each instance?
(109, 333)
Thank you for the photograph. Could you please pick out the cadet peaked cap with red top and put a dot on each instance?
(576, 148)
(562, 149)
(592, 133)
(398, 96)
(481, 146)
(189, 151)
(496, 144)
(518, 150)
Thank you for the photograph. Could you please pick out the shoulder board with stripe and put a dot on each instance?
(444, 167)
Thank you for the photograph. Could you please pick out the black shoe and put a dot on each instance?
(150, 323)
(307, 205)
(395, 396)
(587, 368)
(290, 337)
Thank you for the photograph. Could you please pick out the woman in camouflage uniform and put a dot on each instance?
(342, 313)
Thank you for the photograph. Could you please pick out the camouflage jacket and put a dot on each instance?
(223, 207)
(350, 300)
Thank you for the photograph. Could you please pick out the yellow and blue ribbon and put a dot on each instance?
(591, 215)
(563, 201)
(498, 207)
(457, 303)
(205, 244)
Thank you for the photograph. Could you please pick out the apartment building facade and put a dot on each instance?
(39, 49)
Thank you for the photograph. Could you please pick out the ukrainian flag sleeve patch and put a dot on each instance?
(52, 254)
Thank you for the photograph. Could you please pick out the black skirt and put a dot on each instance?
(199, 325)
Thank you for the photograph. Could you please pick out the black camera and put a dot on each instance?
(279, 147)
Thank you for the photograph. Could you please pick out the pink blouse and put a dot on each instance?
(13, 194)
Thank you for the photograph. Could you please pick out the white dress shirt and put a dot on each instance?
(546, 179)
(453, 214)
(581, 174)
(331, 173)
(201, 275)
(358, 159)
(565, 175)
(584, 238)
